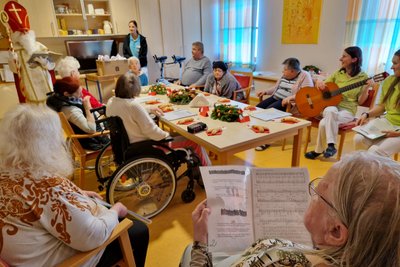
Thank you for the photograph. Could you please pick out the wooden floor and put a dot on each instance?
(171, 231)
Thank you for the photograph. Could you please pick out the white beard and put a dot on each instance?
(26, 40)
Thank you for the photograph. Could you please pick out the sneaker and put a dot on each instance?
(312, 155)
(262, 147)
(330, 152)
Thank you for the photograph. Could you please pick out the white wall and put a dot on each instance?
(325, 54)
(171, 26)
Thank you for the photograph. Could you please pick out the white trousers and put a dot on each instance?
(386, 146)
(329, 126)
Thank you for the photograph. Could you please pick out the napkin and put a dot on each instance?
(199, 101)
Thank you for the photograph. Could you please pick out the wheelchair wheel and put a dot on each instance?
(105, 165)
(144, 185)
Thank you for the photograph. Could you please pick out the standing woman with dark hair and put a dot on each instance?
(349, 73)
(390, 104)
(135, 45)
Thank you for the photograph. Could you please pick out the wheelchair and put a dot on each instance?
(143, 175)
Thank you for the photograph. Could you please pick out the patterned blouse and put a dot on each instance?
(46, 220)
(263, 253)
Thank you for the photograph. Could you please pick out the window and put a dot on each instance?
(239, 30)
(374, 26)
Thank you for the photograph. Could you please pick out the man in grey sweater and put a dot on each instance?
(197, 68)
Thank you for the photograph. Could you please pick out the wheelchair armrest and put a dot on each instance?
(79, 136)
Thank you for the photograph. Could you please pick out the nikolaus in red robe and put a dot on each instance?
(33, 80)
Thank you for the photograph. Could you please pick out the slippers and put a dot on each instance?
(330, 152)
(312, 155)
(262, 147)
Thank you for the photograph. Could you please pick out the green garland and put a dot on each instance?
(158, 88)
(312, 68)
(227, 113)
(182, 97)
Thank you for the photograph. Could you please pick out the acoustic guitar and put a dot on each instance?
(311, 101)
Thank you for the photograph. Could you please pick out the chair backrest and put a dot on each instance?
(119, 137)
(244, 78)
(69, 132)
(372, 93)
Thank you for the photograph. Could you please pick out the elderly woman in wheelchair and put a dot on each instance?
(145, 166)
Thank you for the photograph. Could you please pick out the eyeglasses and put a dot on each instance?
(313, 191)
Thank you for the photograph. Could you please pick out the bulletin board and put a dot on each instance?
(300, 21)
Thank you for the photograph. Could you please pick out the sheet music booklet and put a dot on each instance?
(51, 56)
(270, 114)
(373, 129)
(251, 203)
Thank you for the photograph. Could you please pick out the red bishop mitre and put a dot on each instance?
(17, 17)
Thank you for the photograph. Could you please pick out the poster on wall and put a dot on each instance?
(301, 20)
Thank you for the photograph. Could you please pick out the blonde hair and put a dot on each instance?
(66, 66)
(31, 140)
(367, 198)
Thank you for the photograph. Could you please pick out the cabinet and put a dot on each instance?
(81, 17)
(41, 17)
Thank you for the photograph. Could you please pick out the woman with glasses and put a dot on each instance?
(353, 219)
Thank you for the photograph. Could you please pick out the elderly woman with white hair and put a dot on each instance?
(44, 217)
(353, 219)
(134, 67)
(69, 67)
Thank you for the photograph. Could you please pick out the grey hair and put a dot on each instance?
(366, 195)
(199, 45)
(133, 59)
(292, 63)
(66, 65)
(31, 139)
(128, 86)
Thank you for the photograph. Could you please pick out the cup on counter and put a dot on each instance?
(95, 31)
(79, 32)
(88, 32)
(101, 31)
(70, 32)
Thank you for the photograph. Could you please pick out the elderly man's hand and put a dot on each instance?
(261, 93)
(200, 222)
(320, 84)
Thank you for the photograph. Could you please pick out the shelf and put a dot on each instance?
(98, 15)
(68, 15)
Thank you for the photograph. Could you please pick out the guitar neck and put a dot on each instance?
(349, 87)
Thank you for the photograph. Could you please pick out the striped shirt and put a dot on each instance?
(285, 88)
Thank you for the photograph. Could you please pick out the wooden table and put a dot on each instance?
(237, 137)
(93, 77)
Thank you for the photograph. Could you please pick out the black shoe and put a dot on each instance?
(262, 147)
(330, 152)
(312, 155)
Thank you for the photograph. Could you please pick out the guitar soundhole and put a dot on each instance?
(326, 94)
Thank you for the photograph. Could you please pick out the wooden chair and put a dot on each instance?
(79, 153)
(120, 232)
(245, 79)
(343, 128)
